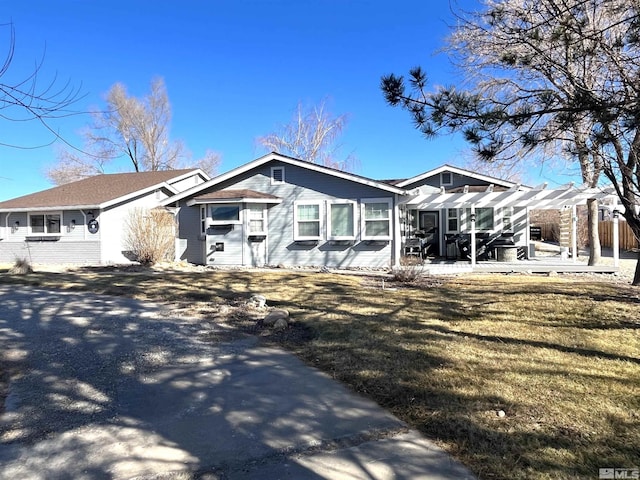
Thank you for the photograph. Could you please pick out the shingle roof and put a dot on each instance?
(235, 194)
(93, 191)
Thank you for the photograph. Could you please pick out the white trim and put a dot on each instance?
(442, 182)
(211, 221)
(363, 219)
(31, 233)
(353, 204)
(460, 171)
(283, 159)
(263, 218)
(296, 234)
(191, 202)
(273, 179)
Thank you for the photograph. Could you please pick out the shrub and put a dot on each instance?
(21, 267)
(409, 270)
(150, 235)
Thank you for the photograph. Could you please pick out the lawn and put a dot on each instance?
(517, 376)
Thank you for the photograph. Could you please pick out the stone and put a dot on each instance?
(258, 301)
(274, 315)
(281, 324)
(501, 413)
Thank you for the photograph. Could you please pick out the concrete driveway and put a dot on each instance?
(109, 387)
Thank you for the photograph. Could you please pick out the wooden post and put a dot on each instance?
(615, 244)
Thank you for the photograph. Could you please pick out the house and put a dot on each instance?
(279, 210)
(83, 222)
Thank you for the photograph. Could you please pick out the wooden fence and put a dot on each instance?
(627, 239)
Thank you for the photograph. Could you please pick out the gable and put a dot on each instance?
(454, 179)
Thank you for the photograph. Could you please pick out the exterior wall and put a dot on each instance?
(113, 225)
(187, 183)
(74, 244)
(458, 180)
(302, 184)
(190, 243)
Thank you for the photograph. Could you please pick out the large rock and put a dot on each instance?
(274, 315)
(258, 301)
(281, 324)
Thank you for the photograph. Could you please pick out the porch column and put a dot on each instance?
(473, 235)
(615, 244)
(397, 234)
(574, 233)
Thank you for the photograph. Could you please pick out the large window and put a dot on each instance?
(307, 223)
(341, 216)
(45, 223)
(376, 219)
(222, 214)
(484, 218)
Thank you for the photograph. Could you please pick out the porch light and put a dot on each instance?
(473, 217)
(616, 214)
(72, 225)
(16, 226)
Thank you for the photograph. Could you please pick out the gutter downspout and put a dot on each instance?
(397, 240)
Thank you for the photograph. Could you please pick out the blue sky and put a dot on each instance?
(234, 70)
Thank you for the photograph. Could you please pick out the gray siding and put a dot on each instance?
(231, 241)
(74, 244)
(189, 242)
(458, 181)
(300, 185)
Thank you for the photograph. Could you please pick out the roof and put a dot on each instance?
(458, 170)
(96, 191)
(233, 196)
(273, 156)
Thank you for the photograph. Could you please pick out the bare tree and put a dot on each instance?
(545, 77)
(27, 99)
(313, 136)
(132, 128)
(150, 235)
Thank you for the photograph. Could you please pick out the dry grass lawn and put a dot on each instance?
(560, 356)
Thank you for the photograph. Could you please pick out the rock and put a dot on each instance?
(274, 315)
(501, 413)
(553, 274)
(258, 301)
(281, 324)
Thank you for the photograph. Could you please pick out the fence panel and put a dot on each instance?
(627, 239)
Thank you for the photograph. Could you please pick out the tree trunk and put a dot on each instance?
(636, 276)
(595, 250)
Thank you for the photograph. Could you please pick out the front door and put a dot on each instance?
(256, 229)
(429, 223)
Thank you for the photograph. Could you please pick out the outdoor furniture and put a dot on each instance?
(413, 247)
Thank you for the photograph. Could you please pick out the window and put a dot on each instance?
(376, 219)
(446, 178)
(224, 214)
(484, 218)
(507, 213)
(277, 175)
(341, 217)
(45, 223)
(452, 219)
(307, 224)
(256, 219)
(203, 219)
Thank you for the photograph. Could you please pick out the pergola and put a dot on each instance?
(538, 198)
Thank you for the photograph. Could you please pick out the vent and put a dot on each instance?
(277, 175)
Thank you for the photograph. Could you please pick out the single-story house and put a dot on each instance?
(279, 210)
(83, 222)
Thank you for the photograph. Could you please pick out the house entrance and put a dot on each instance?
(429, 226)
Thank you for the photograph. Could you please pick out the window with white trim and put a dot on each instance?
(45, 223)
(257, 219)
(203, 219)
(225, 213)
(277, 175)
(376, 219)
(484, 218)
(307, 221)
(452, 220)
(341, 220)
(446, 178)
